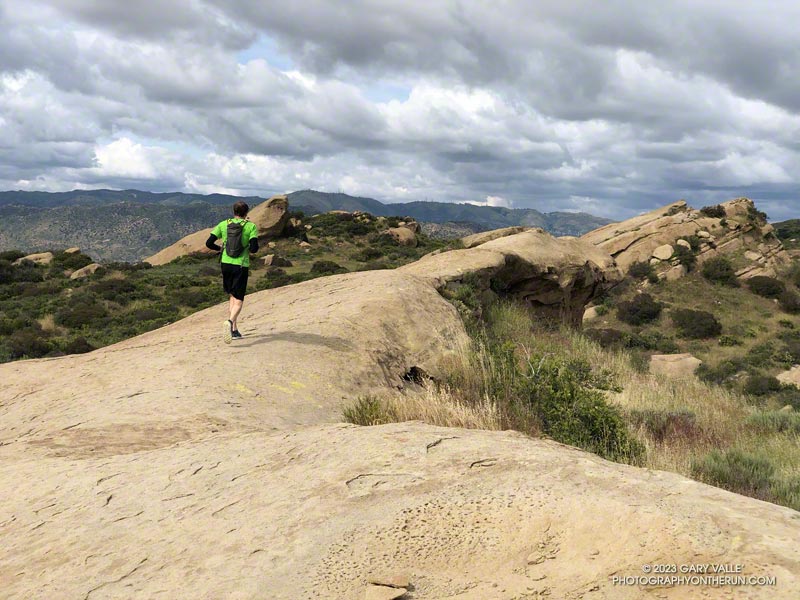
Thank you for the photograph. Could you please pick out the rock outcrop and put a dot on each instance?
(402, 236)
(653, 237)
(271, 217)
(556, 276)
(156, 467)
(90, 269)
(790, 377)
(40, 258)
(476, 239)
(674, 365)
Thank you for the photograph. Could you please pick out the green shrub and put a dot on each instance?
(116, 290)
(194, 297)
(736, 471)
(694, 242)
(695, 324)
(369, 253)
(571, 412)
(716, 211)
(775, 421)
(78, 345)
(11, 255)
(789, 302)
(70, 261)
(786, 324)
(686, 257)
(724, 372)
(761, 385)
(642, 309)
(83, 312)
(756, 216)
(666, 425)
(608, 337)
(275, 277)
(326, 267)
(729, 340)
(367, 410)
(643, 270)
(29, 342)
(768, 287)
(720, 270)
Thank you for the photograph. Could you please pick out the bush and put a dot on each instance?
(737, 472)
(723, 372)
(761, 385)
(729, 340)
(275, 277)
(80, 313)
(663, 425)
(117, 290)
(79, 345)
(572, 413)
(643, 270)
(768, 287)
(789, 301)
(756, 216)
(695, 324)
(686, 257)
(642, 309)
(29, 343)
(326, 267)
(367, 254)
(775, 421)
(694, 242)
(70, 261)
(720, 270)
(11, 255)
(367, 410)
(716, 211)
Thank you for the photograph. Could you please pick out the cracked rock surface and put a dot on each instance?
(172, 466)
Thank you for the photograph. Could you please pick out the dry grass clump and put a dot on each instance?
(519, 373)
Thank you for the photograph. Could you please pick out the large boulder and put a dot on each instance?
(39, 258)
(85, 271)
(557, 277)
(653, 234)
(271, 217)
(790, 377)
(674, 365)
(402, 236)
(476, 239)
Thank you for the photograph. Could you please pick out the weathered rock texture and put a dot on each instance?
(271, 217)
(674, 365)
(40, 258)
(157, 468)
(790, 377)
(476, 239)
(85, 271)
(556, 276)
(654, 235)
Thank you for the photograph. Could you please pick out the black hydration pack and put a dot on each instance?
(234, 240)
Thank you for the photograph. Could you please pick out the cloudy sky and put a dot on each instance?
(608, 107)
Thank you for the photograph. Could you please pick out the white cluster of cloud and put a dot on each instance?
(611, 107)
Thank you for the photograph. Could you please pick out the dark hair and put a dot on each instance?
(240, 209)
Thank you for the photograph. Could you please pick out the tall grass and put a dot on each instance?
(521, 373)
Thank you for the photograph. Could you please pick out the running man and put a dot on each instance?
(239, 239)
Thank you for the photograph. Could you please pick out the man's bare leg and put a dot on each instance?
(235, 309)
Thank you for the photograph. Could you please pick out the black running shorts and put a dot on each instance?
(234, 280)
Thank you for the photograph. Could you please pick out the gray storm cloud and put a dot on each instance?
(612, 107)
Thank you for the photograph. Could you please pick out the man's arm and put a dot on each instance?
(253, 245)
(212, 246)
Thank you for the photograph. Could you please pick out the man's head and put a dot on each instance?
(240, 209)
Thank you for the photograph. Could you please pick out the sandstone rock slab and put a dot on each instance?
(674, 365)
(85, 271)
(664, 252)
(40, 258)
(476, 239)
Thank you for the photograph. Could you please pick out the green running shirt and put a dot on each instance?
(249, 231)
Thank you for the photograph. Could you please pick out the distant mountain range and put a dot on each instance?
(132, 224)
